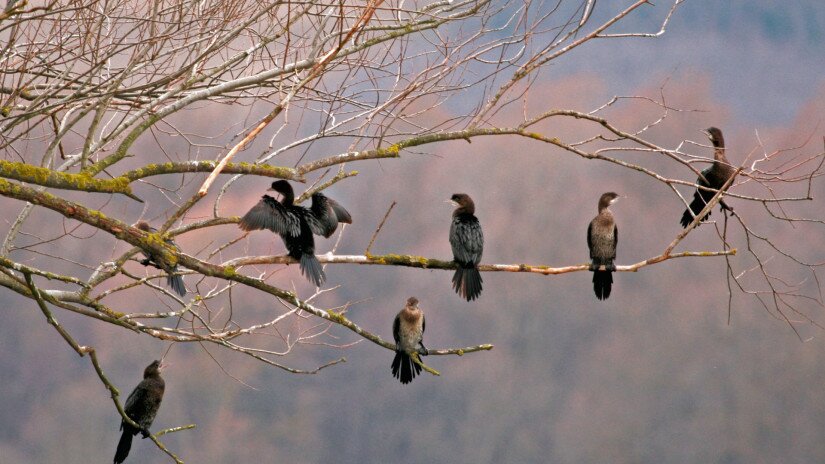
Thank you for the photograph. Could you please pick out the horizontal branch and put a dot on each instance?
(430, 263)
(83, 182)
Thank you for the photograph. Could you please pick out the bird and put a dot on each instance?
(408, 332)
(173, 280)
(602, 237)
(713, 177)
(141, 406)
(296, 224)
(467, 242)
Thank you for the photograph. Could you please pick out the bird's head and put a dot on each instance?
(715, 136)
(463, 202)
(608, 199)
(144, 226)
(153, 369)
(283, 187)
(412, 301)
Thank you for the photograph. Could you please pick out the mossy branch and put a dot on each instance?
(84, 182)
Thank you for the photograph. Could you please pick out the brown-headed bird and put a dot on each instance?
(141, 406)
(713, 177)
(467, 242)
(296, 224)
(408, 332)
(173, 280)
(602, 237)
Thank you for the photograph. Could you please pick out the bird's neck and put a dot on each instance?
(466, 209)
(288, 199)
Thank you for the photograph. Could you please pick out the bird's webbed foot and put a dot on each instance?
(594, 267)
(145, 433)
(423, 351)
(146, 261)
(725, 207)
(610, 267)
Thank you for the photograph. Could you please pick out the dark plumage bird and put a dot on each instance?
(173, 280)
(408, 332)
(714, 177)
(141, 406)
(468, 243)
(296, 224)
(602, 237)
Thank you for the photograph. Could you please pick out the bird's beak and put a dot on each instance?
(707, 134)
(163, 365)
(451, 202)
(270, 189)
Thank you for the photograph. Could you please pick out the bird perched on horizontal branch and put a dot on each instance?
(173, 280)
(467, 242)
(408, 332)
(602, 237)
(141, 406)
(296, 224)
(713, 177)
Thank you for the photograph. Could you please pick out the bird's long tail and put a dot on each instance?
(698, 203)
(312, 270)
(602, 284)
(467, 282)
(175, 282)
(403, 367)
(124, 445)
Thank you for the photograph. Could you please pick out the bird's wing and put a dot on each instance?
(340, 212)
(396, 328)
(467, 240)
(325, 215)
(135, 401)
(271, 215)
(423, 324)
(590, 238)
(615, 239)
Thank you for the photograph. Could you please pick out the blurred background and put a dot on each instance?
(654, 374)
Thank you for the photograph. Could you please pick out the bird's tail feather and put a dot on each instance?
(175, 282)
(602, 284)
(312, 270)
(696, 206)
(467, 282)
(124, 445)
(403, 367)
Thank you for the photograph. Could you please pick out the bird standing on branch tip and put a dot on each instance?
(408, 332)
(296, 224)
(141, 406)
(173, 280)
(713, 177)
(602, 237)
(467, 242)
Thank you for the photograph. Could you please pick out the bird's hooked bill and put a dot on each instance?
(451, 202)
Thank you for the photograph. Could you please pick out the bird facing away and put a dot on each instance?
(467, 242)
(296, 224)
(602, 237)
(141, 406)
(408, 332)
(714, 177)
(173, 280)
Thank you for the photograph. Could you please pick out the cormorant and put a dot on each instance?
(173, 280)
(714, 177)
(408, 331)
(141, 406)
(468, 243)
(296, 224)
(602, 236)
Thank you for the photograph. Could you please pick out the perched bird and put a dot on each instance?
(408, 332)
(714, 177)
(141, 406)
(468, 243)
(296, 224)
(602, 236)
(173, 280)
